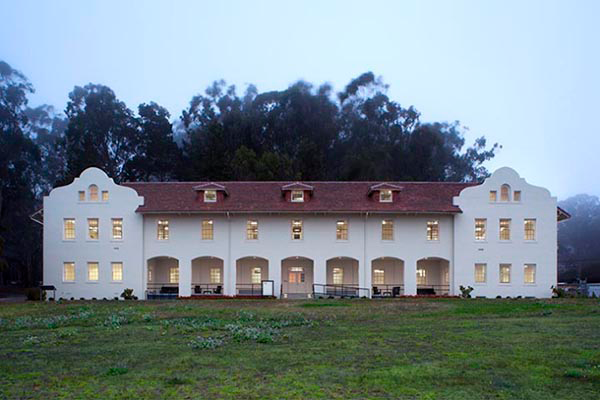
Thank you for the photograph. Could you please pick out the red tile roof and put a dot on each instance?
(414, 197)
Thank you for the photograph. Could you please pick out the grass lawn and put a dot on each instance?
(424, 349)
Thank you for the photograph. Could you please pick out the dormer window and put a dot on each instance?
(297, 196)
(385, 196)
(210, 196)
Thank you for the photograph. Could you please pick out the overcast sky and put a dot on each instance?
(523, 73)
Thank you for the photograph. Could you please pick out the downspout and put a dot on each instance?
(229, 253)
(365, 266)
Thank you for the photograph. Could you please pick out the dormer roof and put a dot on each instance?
(211, 186)
(297, 186)
(384, 186)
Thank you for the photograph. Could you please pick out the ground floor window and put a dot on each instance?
(215, 275)
(378, 276)
(69, 272)
(174, 275)
(504, 273)
(421, 276)
(480, 270)
(117, 272)
(256, 275)
(92, 271)
(529, 273)
(338, 276)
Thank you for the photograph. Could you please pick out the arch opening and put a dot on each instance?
(162, 277)
(207, 276)
(297, 277)
(250, 272)
(433, 276)
(387, 277)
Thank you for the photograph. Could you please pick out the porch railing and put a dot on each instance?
(320, 290)
(248, 289)
(433, 290)
(157, 290)
(388, 290)
(207, 289)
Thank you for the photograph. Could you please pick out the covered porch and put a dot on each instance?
(250, 273)
(341, 279)
(163, 277)
(387, 277)
(207, 276)
(297, 277)
(433, 276)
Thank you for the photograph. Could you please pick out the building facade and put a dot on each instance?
(298, 239)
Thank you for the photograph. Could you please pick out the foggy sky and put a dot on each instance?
(522, 73)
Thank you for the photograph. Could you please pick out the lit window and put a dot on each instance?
(117, 271)
(215, 275)
(378, 277)
(504, 273)
(480, 228)
(505, 193)
(296, 275)
(162, 228)
(69, 228)
(252, 229)
(433, 230)
(385, 196)
(174, 275)
(256, 275)
(338, 276)
(504, 229)
(529, 226)
(341, 230)
(296, 229)
(69, 272)
(210, 196)
(81, 195)
(480, 272)
(493, 196)
(517, 195)
(529, 273)
(92, 271)
(93, 193)
(421, 276)
(387, 229)
(117, 228)
(297, 196)
(207, 229)
(105, 195)
(149, 274)
(93, 229)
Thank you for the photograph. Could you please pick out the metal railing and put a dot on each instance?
(320, 290)
(248, 289)
(433, 290)
(207, 289)
(159, 290)
(388, 290)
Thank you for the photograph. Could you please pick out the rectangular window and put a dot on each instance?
(174, 275)
(207, 229)
(105, 195)
(210, 196)
(529, 273)
(480, 224)
(385, 196)
(162, 229)
(252, 229)
(81, 195)
(433, 230)
(256, 275)
(93, 229)
(69, 228)
(296, 229)
(149, 274)
(421, 276)
(387, 229)
(117, 271)
(341, 230)
(92, 271)
(504, 273)
(338, 276)
(480, 273)
(69, 272)
(529, 226)
(215, 275)
(517, 195)
(504, 229)
(493, 196)
(378, 276)
(117, 228)
(297, 196)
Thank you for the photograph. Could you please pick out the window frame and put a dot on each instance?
(64, 274)
(517, 193)
(508, 229)
(378, 276)
(297, 224)
(421, 275)
(252, 232)
(493, 196)
(89, 271)
(211, 275)
(341, 230)
(337, 274)
(208, 196)
(113, 264)
(500, 276)
(532, 230)
(483, 267)
(90, 229)
(81, 196)
(387, 226)
(104, 196)
(298, 199)
(383, 196)
(113, 227)
(207, 230)
(69, 239)
(174, 275)
(505, 193)
(482, 237)
(256, 275)
(534, 273)
(93, 193)
(433, 235)
(162, 230)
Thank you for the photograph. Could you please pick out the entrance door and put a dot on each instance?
(296, 280)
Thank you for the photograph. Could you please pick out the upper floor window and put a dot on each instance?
(505, 273)
(296, 229)
(529, 227)
(338, 276)
(117, 271)
(93, 229)
(505, 193)
(517, 195)
(297, 196)
(69, 271)
(385, 196)
(493, 196)
(529, 273)
(210, 196)
(433, 230)
(162, 229)
(215, 275)
(82, 195)
(256, 275)
(174, 275)
(207, 229)
(93, 193)
(480, 273)
(505, 229)
(105, 195)
(387, 229)
(421, 276)
(93, 272)
(69, 228)
(480, 224)
(252, 229)
(117, 228)
(341, 230)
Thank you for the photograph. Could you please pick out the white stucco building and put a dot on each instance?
(297, 239)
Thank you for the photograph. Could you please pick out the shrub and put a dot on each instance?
(465, 292)
(128, 294)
